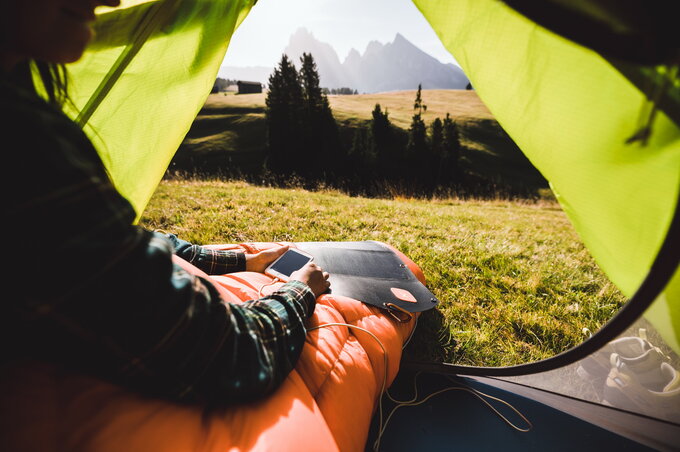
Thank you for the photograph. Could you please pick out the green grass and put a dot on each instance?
(230, 131)
(514, 281)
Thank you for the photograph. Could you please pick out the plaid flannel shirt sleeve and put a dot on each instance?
(237, 352)
(109, 301)
(212, 262)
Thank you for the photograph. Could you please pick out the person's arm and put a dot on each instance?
(149, 325)
(207, 350)
(107, 299)
(212, 262)
(220, 262)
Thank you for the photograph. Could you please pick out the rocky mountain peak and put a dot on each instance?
(399, 65)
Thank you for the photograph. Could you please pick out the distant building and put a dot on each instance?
(249, 87)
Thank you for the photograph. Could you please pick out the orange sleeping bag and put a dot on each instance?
(325, 404)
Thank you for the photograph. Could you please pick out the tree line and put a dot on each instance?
(303, 138)
(221, 84)
(339, 91)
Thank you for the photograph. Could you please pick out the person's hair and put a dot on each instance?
(53, 78)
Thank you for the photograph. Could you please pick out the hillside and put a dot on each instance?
(229, 133)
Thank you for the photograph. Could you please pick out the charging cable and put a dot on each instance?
(384, 382)
(382, 426)
(274, 281)
(383, 389)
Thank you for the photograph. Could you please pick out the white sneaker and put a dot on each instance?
(641, 386)
(598, 364)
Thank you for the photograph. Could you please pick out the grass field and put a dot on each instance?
(514, 281)
(230, 132)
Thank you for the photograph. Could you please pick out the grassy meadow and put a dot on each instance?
(514, 281)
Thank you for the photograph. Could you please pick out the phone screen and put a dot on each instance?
(289, 262)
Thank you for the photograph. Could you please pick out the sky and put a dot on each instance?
(344, 24)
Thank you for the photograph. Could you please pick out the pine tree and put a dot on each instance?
(284, 117)
(437, 151)
(417, 149)
(382, 139)
(361, 158)
(437, 137)
(418, 106)
(320, 147)
(452, 149)
(309, 77)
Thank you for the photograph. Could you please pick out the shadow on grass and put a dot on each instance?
(431, 341)
(231, 110)
(491, 153)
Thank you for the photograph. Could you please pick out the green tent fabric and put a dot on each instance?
(572, 112)
(138, 89)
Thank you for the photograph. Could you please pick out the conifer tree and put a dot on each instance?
(452, 148)
(320, 144)
(437, 151)
(284, 117)
(311, 90)
(417, 148)
(437, 137)
(418, 106)
(360, 158)
(382, 138)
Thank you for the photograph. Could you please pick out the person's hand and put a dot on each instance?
(314, 276)
(260, 261)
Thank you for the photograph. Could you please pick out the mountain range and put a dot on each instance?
(398, 65)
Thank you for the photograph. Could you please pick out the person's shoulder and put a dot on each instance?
(19, 100)
(43, 146)
(36, 134)
(27, 114)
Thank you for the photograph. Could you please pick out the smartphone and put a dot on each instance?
(289, 262)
